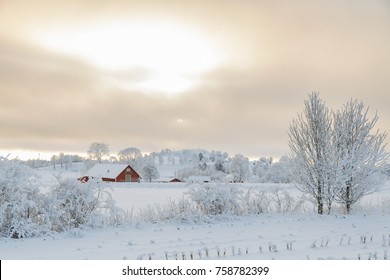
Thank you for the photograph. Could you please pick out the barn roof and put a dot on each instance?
(106, 170)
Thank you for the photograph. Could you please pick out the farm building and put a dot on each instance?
(198, 179)
(175, 180)
(169, 180)
(112, 173)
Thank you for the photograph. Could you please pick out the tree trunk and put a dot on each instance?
(320, 200)
(320, 204)
(320, 207)
(348, 197)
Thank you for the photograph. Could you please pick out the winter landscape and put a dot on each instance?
(194, 130)
(159, 220)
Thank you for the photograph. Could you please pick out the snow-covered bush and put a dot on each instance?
(21, 211)
(216, 199)
(73, 204)
(255, 202)
(182, 210)
(283, 201)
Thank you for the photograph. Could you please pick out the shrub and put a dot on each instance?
(73, 204)
(255, 203)
(21, 208)
(182, 210)
(216, 199)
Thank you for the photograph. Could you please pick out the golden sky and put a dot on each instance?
(220, 75)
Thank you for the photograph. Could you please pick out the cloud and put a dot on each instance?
(277, 54)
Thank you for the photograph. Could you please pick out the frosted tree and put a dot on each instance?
(311, 151)
(219, 159)
(278, 172)
(361, 154)
(129, 155)
(21, 210)
(149, 171)
(239, 168)
(219, 166)
(261, 168)
(98, 150)
(132, 156)
(336, 156)
(62, 159)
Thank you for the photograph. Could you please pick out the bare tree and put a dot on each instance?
(98, 151)
(361, 152)
(129, 155)
(239, 168)
(335, 156)
(150, 172)
(309, 141)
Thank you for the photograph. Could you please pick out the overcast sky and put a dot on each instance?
(220, 75)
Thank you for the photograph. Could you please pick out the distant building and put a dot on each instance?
(112, 173)
(175, 180)
(169, 180)
(198, 179)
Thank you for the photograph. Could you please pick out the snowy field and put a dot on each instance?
(277, 236)
(365, 234)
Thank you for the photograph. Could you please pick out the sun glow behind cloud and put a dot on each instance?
(174, 56)
(234, 72)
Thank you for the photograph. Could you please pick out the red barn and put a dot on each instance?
(112, 173)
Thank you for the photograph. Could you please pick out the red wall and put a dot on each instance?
(122, 176)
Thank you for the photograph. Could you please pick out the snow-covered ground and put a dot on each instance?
(276, 236)
(365, 234)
